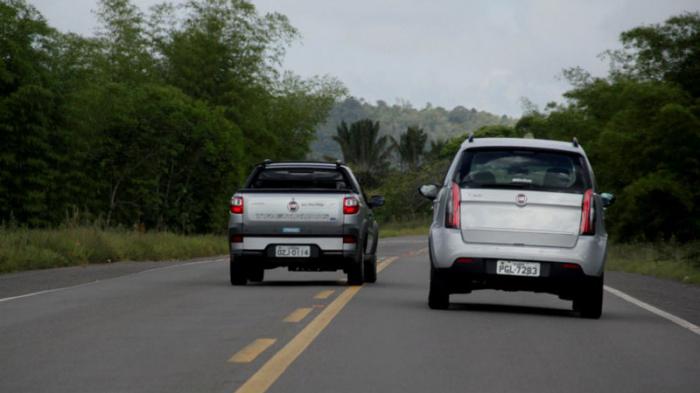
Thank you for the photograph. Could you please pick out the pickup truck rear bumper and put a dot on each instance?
(324, 243)
(327, 253)
(318, 261)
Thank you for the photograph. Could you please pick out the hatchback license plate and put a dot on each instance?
(293, 251)
(517, 268)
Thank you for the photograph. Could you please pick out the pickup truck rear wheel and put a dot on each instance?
(371, 268)
(356, 269)
(237, 271)
(256, 274)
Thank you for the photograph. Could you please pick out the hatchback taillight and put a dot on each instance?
(588, 214)
(454, 200)
(351, 205)
(237, 205)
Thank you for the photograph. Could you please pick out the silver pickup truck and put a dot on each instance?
(306, 216)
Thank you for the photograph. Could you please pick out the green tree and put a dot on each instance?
(411, 147)
(669, 51)
(154, 121)
(365, 150)
(29, 112)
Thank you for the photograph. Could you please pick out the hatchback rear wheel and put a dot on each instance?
(439, 295)
(589, 300)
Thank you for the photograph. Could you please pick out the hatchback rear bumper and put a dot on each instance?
(447, 245)
(480, 273)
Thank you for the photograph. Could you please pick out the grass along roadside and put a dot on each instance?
(27, 249)
(670, 260)
(405, 228)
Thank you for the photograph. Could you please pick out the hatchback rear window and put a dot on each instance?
(544, 170)
(300, 178)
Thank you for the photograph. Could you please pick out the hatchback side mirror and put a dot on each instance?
(429, 191)
(376, 201)
(607, 198)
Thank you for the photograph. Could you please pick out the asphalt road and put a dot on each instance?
(183, 328)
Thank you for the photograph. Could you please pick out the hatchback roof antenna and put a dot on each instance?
(471, 137)
(575, 142)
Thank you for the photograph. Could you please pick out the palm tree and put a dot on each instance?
(411, 147)
(364, 149)
(436, 147)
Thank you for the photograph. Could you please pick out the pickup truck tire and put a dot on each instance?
(356, 269)
(371, 268)
(589, 300)
(256, 274)
(237, 271)
(438, 296)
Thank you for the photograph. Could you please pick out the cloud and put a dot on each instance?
(482, 54)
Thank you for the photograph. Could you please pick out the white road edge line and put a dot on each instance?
(663, 314)
(7, 299)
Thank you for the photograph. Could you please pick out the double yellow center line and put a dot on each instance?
(273, 369)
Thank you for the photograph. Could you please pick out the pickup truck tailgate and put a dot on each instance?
(293, 214)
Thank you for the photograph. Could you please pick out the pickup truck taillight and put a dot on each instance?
(237, 205)
(452, 219)
(351, 205)
(587, 214)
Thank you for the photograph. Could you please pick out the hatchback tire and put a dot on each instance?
(439, 295)
(589, 301)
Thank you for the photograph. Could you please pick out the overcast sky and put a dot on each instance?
(482, 54)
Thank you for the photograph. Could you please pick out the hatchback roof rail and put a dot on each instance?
(575, 142)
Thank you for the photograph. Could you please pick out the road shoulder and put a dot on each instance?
(682, 300)
(22, 283)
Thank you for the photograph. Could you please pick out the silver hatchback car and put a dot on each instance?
(519, 214)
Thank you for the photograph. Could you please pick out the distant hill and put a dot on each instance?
(438, 122)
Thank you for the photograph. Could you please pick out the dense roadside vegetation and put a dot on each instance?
(154, 121)
(148, 126)
(25, 249)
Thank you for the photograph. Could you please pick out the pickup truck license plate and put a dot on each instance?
(516, 268)
(293, 251)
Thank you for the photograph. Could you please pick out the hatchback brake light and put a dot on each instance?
(351, 205)
(588, 214)
(237, 205)
(452, 219)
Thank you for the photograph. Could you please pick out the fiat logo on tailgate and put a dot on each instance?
(521, 200)
(293, 206)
